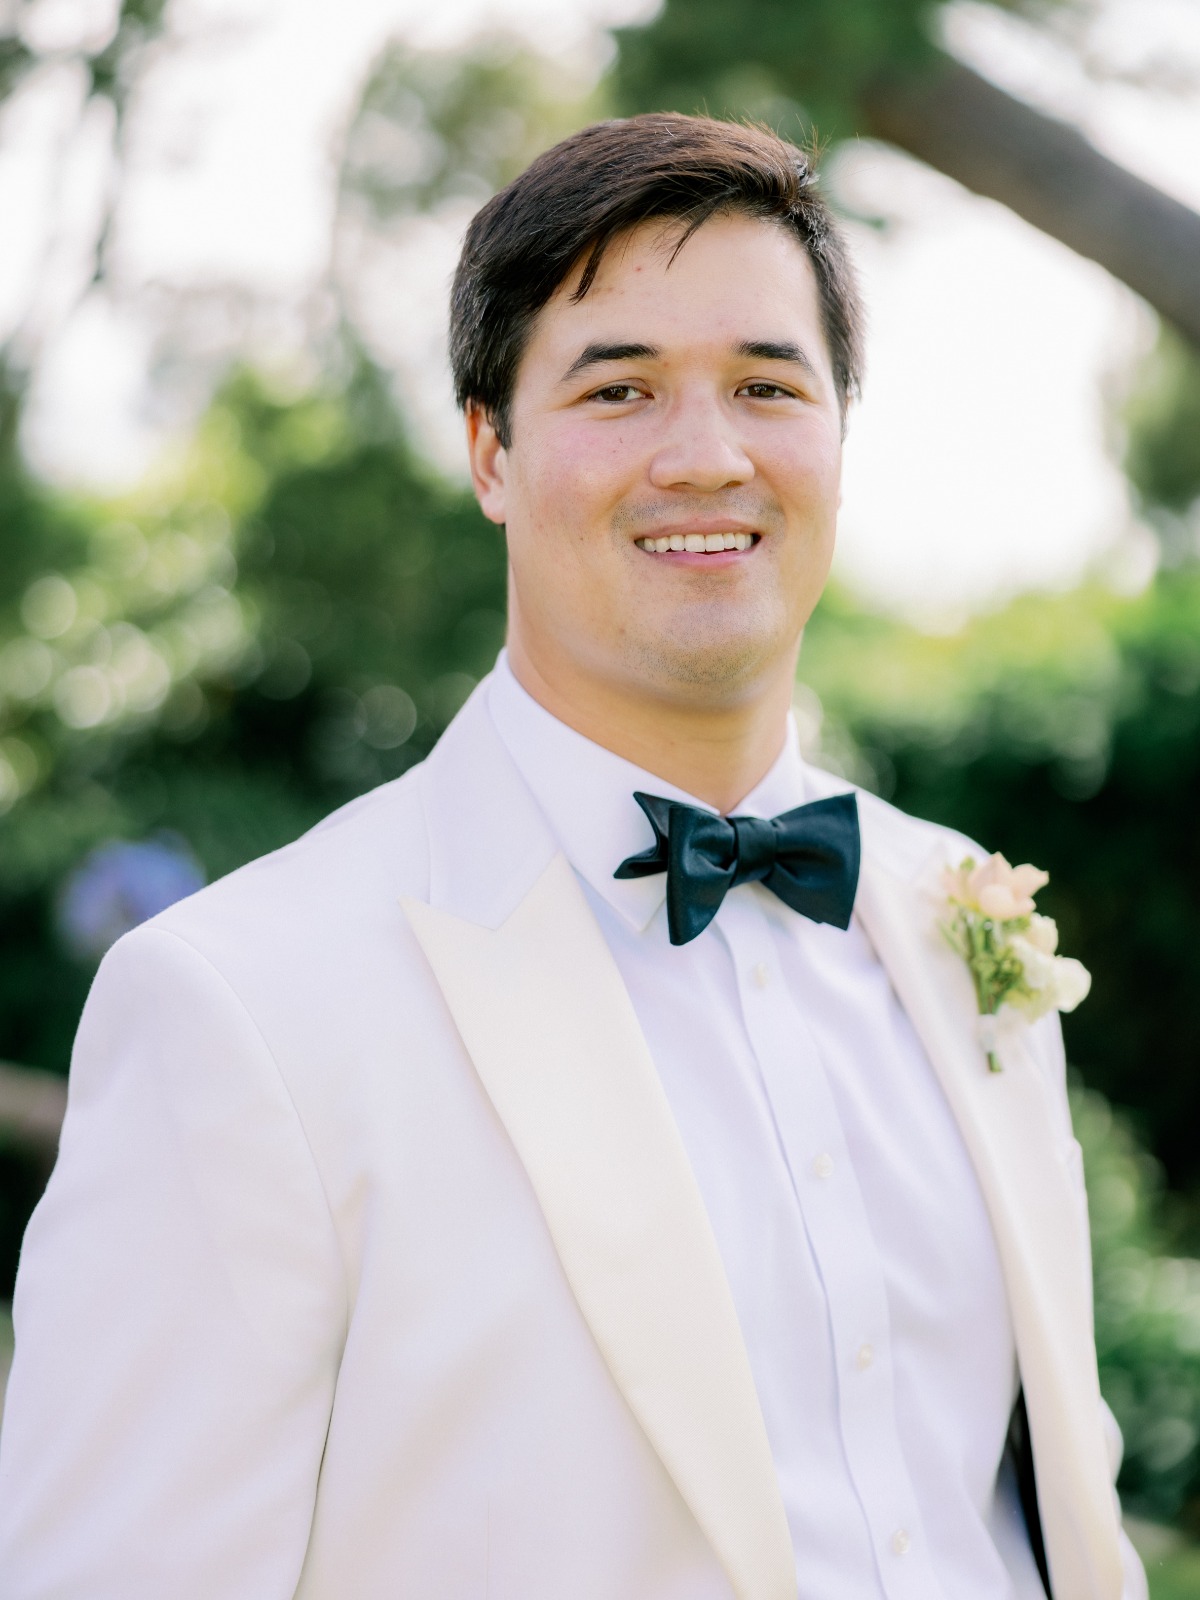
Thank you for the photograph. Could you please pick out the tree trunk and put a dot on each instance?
(1048, 173)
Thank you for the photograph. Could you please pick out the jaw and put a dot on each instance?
(714, 644)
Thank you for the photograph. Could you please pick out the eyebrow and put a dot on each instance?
(595, 355)
(775, 350)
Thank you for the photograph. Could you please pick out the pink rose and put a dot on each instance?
(1003, 892)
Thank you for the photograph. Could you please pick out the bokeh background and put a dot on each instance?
(242, 579)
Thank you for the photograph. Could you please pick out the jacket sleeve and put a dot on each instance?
(1053, 1058)
(179, 1312)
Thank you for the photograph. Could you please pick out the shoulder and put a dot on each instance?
(905, 845)
(330, 891)
(301, 964)
(317, 931)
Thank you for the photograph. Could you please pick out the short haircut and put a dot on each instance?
(575, 199)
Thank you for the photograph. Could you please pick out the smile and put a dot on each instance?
(697, 543)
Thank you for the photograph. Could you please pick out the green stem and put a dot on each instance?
(989, 1008)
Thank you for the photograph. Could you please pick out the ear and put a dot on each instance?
(489, 461)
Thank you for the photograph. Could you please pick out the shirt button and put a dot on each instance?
(761, 975)
(901, 1543)
(862, 1361)
(823, 1165)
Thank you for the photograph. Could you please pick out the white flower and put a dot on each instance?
(1072, 981)
(1033, 1006)
(1058, 983)
(1043, 932)
(1036, 965)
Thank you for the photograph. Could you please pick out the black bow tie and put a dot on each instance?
(809, 857)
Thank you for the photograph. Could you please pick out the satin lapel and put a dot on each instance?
(1006, 1123)
(547, 1021)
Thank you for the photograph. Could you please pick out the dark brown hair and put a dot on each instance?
(575, 199)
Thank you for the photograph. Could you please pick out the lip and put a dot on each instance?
(702, 527)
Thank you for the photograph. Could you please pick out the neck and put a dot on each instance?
(718, 753)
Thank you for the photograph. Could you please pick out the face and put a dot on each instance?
(670, 491)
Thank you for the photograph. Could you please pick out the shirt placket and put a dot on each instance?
(835, 1221)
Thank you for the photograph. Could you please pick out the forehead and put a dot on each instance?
(735, 278)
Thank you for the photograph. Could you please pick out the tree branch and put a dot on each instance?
(1048, 173)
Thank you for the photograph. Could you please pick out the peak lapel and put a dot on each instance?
(543, 1012)
(1007, 1124)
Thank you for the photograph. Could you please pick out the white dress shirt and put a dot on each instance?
(845, 1208)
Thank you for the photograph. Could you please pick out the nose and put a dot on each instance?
(700, 448)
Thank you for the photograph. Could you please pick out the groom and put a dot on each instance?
(532, 1184)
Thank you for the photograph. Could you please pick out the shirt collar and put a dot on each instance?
(586, 794)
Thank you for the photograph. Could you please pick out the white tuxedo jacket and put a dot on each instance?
(373, 1267)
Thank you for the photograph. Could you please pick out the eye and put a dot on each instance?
(615, 394)
(762, 390)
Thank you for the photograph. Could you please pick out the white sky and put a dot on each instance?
(977, 463)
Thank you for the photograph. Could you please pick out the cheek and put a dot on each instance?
(810, 473)
(571, 484)
(560, 531)
(807, 480)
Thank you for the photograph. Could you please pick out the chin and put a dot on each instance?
(718, 669)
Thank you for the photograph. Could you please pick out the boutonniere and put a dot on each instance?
(1009, 948)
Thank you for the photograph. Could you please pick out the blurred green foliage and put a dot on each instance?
(435, 127)
(795, 66)
(1147, 1317)
(1174, 1576)
(286, 617)
(1162, 456)
(108, 56)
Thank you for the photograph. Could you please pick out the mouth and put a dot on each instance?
(697, 544)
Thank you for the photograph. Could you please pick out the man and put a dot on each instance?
(451, 1205)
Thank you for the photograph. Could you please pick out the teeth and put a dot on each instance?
(696, 543)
